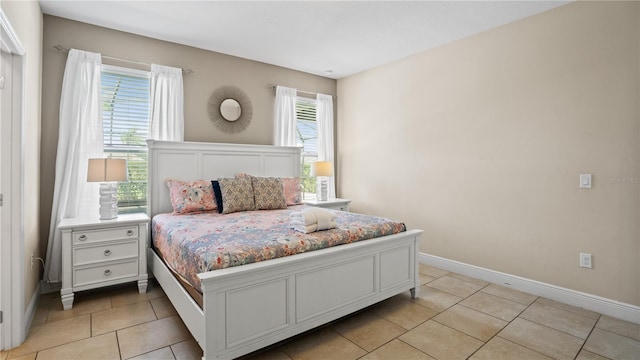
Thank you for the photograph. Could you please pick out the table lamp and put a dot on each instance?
(322, 170)
(107, 172)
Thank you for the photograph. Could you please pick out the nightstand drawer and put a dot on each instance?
(106, 272)
(334, 204)
(116, 233)
(338, 207)
(107, 252)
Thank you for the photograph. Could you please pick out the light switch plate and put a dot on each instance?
(585, 181)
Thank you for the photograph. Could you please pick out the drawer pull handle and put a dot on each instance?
(129, 232)
(107, 252)
(107, 272)
(82, 237)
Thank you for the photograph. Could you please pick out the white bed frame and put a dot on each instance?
(248, 307)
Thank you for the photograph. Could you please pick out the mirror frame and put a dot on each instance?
(214, 105)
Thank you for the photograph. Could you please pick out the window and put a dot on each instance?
(125, 121)
(307, 138)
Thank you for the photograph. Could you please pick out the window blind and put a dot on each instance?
(125, 119)
(307, 138)
(306, 123)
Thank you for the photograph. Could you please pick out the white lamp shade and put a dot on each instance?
(322, 168)
(107, 170)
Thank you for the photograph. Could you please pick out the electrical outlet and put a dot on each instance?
(31, 261)
(585, 260)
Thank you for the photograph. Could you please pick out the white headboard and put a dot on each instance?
(209, 161)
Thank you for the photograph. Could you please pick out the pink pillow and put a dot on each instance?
(292, 191)
(191, 196)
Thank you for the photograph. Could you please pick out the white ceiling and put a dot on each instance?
(345, 37)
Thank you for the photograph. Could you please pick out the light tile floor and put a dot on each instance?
(455, 317)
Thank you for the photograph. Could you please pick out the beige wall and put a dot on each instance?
(481, 143)
(26, 20)
(212, 70)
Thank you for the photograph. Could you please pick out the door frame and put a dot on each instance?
(12, 329)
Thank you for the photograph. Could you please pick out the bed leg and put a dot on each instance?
(415, 292)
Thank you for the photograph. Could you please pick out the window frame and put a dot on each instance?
(129, 206)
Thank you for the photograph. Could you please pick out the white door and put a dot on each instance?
(11, 71)
(5, 192)
(2, 237)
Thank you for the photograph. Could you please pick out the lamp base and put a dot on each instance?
(108, 201)
(322, 194)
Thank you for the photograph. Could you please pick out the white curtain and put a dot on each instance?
(324, 120)
(79, 138)
(285, 117)
(167, 103)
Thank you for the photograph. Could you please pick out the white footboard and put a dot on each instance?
(249, 307)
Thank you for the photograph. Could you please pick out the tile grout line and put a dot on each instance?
(89, 314)
(493, 316)
(515, 343)
(456, 303)
(548, 327)
(504, 298)
(508, 323)
(406, 343)
(173, 353)
(614, 333)
(587, 339)
(349, 340)
(496, 334)
(568, 309)
(53, 347)
(431, 318)
(405, 330)
(564, 332)
(118, 343)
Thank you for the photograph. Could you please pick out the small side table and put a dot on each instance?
(97, 253)
(335, 204)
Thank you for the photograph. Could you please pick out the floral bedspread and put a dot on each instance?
(191, 244)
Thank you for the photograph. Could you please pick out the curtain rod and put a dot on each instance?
(273, 87)
(66, 49)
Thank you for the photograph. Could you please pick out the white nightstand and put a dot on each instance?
(335, 204)
(97, 253)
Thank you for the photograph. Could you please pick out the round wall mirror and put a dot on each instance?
(230, 110)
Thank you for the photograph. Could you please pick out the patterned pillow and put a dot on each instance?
(268, 193)
(191, 196)
(292, 191)
(237, 194)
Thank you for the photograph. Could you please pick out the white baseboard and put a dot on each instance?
(591, 302)
(30, 311)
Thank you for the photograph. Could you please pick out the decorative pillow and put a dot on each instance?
(292, 191)
(268, 193)
(237, 194)
(218, 195)
(191, 196)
